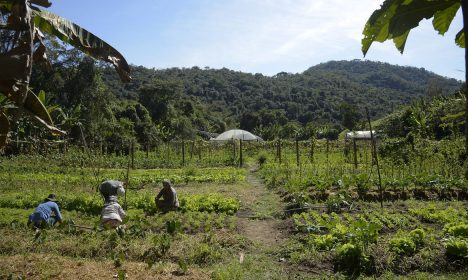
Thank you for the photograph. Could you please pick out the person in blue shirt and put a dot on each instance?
(42, 216)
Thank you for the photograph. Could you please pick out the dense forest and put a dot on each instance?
(88, 101)
(316, 95)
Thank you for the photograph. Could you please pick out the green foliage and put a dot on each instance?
(417, 235)
(402, 245)
(395, 19)
(457, 248)
(460, 230)
(204, 254)
(261, 158)
(350, 259)
(209, 203)
(173, 226)
(310, 97)
(161, 243)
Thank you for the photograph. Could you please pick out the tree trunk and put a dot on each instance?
(464, 4)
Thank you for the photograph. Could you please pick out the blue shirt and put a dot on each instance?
(43, 212)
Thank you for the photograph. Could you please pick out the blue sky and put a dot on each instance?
(255, 36)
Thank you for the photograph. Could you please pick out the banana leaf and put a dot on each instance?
(81, 39)
(4, 128)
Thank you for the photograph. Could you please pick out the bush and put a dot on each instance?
(402, 246)
(261, 158)
(457, 247)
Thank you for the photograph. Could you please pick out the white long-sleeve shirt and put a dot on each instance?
(112, 211)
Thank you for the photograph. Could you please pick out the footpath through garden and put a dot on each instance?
(261, 220)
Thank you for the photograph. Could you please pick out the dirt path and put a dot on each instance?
(259, 216)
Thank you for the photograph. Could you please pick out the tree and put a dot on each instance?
(157, 97)
(395, 19)
(21, 23)
(349, 115)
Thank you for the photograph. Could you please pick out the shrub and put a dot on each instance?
(457, 247)
(261, 158)
(402, 246)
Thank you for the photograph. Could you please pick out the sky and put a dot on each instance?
(255, 36)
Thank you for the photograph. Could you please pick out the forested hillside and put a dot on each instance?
(159, 105)
(315, 95)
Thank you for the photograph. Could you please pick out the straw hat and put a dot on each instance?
(52, 197)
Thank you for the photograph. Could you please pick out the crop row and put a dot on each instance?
(387, 219)
(401, 240)
(92, 203)
(137, 223)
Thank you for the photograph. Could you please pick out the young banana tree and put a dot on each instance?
(22, 24)
(395, 19)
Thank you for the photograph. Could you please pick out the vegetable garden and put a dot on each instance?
(329, 207)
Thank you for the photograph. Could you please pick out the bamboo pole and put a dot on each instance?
(374, 149)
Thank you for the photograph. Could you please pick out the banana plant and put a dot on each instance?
(22, 46)
(396, 18)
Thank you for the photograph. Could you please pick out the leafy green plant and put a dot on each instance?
(457, 247)
(324, 242)
(460, 230)
(417, 235)
(402, 246)
(161, 243)
(173, 227)
(350, 259)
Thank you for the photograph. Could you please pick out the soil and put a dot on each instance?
(43, 266)
(266, 231)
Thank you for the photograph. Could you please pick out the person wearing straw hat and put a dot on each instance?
(112, 213)
(46, 214)
(169, 195)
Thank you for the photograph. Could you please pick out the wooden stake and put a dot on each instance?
(374, 150)
(240, 153)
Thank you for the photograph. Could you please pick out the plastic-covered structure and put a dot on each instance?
(237, 134)
(360, 135)
(110, 189)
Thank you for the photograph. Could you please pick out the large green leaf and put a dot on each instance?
(460, 39)
(34, 105)
(82, 39)
(376, 28)
(443, 19)
(396, 18)
(4, 128)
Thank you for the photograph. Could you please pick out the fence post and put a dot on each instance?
(240, 153)
(374, 150)
(297, 151)
(279, 150)
(183, 153)
(355, 153)
(132, 152)
(312, 147)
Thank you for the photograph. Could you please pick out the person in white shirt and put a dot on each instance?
(112, 213)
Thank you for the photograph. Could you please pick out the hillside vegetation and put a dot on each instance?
(160, 105)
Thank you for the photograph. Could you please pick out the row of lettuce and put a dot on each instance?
(395, 239)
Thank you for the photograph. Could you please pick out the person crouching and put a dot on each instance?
(46, 214)
(112, 213)
(169, 195)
